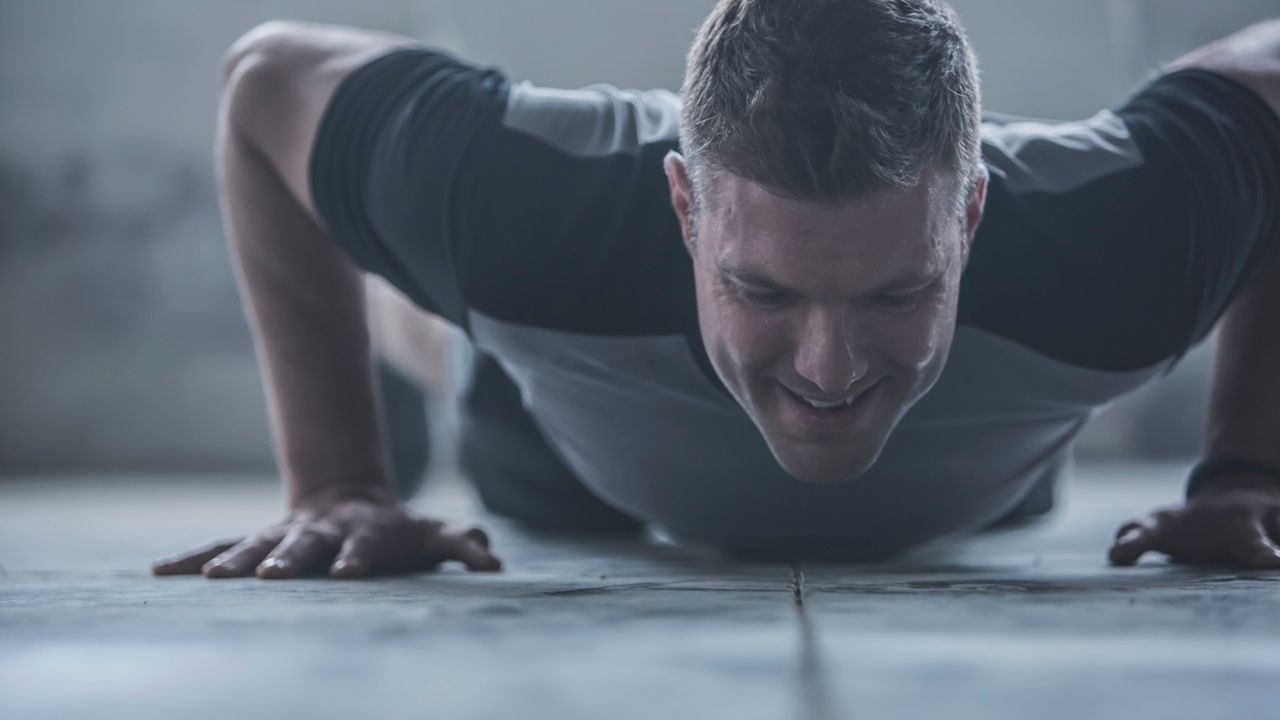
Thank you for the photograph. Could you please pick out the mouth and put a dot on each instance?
(830, 414)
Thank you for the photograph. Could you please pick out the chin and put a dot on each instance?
(823, 458)
(812, 467)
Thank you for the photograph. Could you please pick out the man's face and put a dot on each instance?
(826, 322)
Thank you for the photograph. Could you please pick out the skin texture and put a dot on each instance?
(826, 302)
(345, 537)
(306, 307)
(1235, 521)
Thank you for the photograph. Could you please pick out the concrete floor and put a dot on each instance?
(1017, 624)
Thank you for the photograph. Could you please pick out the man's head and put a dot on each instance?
(829, 190)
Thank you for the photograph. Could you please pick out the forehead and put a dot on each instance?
(800, 242)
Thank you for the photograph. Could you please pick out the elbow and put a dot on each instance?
(264, 42)
(257, 74)
(1250, 56)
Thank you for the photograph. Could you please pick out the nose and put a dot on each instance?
(825, 352)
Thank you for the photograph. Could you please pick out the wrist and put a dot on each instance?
(331, 493)
(1221, 473)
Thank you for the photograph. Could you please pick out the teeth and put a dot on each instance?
(827, 405)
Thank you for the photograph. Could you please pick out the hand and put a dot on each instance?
(1236, 523)
(348, 536)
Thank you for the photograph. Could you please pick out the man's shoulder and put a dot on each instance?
(567, 223)
(594, 121)
(1116, 242)
(1051, 156)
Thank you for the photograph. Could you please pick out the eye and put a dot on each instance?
(764, 299)
(904, 300)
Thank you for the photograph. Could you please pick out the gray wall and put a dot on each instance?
(121, 340)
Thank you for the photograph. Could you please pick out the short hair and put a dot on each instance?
(831, 100)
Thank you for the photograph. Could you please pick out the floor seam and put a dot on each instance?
(816, 698)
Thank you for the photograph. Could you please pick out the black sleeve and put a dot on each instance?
(534, 205)
(1117, 242)
(383, 163)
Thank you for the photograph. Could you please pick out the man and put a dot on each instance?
(769, 315)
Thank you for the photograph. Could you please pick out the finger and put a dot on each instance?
(190, 562)
(1133, 540)
(1273, 525)
(240, 560)
(470, 547)
(304, 548)
(1249, 546)
(356, 558)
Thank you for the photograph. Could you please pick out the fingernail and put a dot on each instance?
(274, 566)
(344, 567)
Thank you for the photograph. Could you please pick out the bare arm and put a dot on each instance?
(303, 297)
(305, 303)
(1244, 412)
(1234, 519)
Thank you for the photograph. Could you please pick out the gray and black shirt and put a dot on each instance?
(538, 220)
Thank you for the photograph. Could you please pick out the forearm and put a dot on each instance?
(305, 304)
(1244, 410)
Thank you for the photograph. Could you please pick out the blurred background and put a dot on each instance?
(122, 343)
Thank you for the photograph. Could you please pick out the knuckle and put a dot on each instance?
(259, 539)
(299, 516)
(328, 527)
(363, 537)
(319, 533)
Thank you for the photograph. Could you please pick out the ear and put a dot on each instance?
(973, 210)
(681, 193)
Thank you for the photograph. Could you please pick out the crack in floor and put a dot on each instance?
(816, 699)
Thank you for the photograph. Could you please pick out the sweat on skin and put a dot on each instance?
(804, 301)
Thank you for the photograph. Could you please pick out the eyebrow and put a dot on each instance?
(754, 278)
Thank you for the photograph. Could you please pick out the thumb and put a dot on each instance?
(1133, 540)
(473, 551)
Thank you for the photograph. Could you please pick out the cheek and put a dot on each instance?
(918, 342)
(748, 338)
